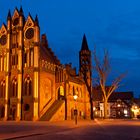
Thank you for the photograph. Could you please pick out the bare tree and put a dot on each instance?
(103, 70)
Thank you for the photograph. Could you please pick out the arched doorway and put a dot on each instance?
(14, 114)
(61, 93)
(2, 111)
(27, 103)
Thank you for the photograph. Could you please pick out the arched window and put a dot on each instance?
(2, 89)
(81, 94)
(28, 86)
(61, 93)
(14, 87)
(73, 91)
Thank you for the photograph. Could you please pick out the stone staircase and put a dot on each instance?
(52, 110)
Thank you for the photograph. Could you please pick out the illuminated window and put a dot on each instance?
(16, 59)
(28, 86)
(14, 87)
(25, 57)
(1, 63)
(81, 93)
(4, 63)
(13, 59)
(60, 92)
(2, 89)
(73, 91)
(32, 56)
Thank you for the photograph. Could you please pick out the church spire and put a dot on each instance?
(21, 11)
(36, 21)
(9, 15)
(84, 43)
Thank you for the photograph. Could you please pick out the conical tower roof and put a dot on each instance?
(9, 15)
(84, 43)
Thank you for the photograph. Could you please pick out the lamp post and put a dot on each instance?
(75, 110)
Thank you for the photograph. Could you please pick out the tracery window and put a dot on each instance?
(28, 86)
(14, 87)
(2, 89)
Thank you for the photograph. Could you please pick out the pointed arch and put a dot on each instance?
(29, 22)
(61, 93)
(28, 86)
(73, 90)
(2, 89)
(14, 87)
(16, 14)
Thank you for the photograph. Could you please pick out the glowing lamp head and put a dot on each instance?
(75, 97)
(135, 107)
(118, 105)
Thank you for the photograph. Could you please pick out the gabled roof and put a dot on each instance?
(121, 95)
(46, 52)
(137, 101)
(98, 96)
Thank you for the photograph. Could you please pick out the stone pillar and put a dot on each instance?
(7, 70)
(36, 70)
(20, 67)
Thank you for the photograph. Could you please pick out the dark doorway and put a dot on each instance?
(2, 111)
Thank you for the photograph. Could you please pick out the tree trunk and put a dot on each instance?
(105, 108)
(91, 109)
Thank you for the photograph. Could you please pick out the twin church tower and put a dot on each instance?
(34, 85)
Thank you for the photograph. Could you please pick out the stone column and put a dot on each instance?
(7, 71)
(36, 70)
(20, 67)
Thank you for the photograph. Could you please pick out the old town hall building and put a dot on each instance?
(34, 85)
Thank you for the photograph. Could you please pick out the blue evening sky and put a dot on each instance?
(111, 24)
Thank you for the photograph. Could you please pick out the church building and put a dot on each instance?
(34, 85)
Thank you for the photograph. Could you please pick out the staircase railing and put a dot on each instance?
(52, 110)
(46, 107)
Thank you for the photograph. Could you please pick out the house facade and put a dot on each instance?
(119, 104)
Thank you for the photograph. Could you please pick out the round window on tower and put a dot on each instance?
(16, 21)
(29, 34)
(3, 39)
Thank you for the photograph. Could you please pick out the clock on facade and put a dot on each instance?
(3, 39)
(29, 34)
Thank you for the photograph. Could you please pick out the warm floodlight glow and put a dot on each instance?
(94, 108)
(135, 107)
(125, 112)
(75, 97)
(118, 105)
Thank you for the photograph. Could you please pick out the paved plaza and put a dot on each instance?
(84, 130)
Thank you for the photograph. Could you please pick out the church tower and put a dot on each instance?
(19, 67)
(85, 60)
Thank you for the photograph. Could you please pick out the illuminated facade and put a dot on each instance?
(34, 85)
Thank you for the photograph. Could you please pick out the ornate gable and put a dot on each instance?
(16, 14)
(29, 22)
(15, 18)
(3, 30)
(3, 39)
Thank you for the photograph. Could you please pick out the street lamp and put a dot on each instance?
(75, 97)
(75, 110)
